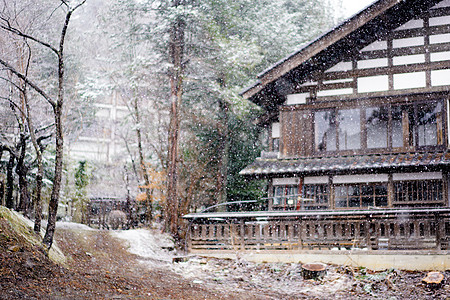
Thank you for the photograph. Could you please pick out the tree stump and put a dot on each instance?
(433, 279)
(314, 271)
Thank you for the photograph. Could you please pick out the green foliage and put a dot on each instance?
(232, 41)
(82, 176)
(226, 44)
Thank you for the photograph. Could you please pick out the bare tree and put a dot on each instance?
(56, 102)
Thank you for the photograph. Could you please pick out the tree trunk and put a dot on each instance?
(148, 196)
(54, 198)
(176, 72)
(22, 171)
(224, 153)
(38, 201)
(58, 111)
(9, 201)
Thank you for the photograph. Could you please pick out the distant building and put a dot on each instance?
(102, 140)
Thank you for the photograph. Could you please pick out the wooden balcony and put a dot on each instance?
(372, 230)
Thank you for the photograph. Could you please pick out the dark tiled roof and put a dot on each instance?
(351, 163)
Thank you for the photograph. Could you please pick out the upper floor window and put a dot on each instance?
(390, 127)
(376, 122)
(337, 130)
(429, 124)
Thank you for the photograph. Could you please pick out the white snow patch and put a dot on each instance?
(147, 244)
(72, 225)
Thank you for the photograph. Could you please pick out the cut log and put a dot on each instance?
(314, 271)
(433, 279)
(180, 259)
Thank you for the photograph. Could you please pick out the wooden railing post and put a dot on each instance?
(242, 235)
(368, 233)
(438, 222)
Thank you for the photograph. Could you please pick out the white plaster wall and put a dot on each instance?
(411, 24)
(436, 21)
(444, 3)
(297, 98)
(416, 176)
(338, 81)
(285, 181)
(373, 84)
(275, 130)
(363, 178)
(315, 180)
(336, 92)
(378, 45)
(342, 66)
(440, 77)
(440, 56)
(409, 80)
(408, 42)
(408, 59)
(440, 38)
(372, 63)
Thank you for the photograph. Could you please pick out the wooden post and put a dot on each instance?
(438, 222)
(368, 234)
(242, 235)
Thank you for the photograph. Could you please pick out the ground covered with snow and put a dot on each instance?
(137, 264)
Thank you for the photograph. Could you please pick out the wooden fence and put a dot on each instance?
(378, 230)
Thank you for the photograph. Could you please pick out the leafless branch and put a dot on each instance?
(8, 27)
(28, 81)
(11, 102)
(12, 82)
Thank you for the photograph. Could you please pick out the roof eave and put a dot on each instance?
(292, 61)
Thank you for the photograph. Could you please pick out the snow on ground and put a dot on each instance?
(150, 245)
(72, 225)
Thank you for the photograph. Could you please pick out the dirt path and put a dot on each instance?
(110, 272)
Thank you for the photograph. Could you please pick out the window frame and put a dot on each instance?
(409, 128)
(408, 185)
(360, 195)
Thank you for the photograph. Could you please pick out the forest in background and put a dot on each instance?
(177, 66)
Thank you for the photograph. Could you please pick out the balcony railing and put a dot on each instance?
(370, 229)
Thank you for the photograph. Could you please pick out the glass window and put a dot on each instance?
(275, 144)
(428, 123)
(349, 129)
(403, 129)
(400, 126)
(340, 196)
(291, 195)
(278, 193)
(325, 130)
(397, 128)
(315, 196)
(285, 195)
(360, 195)
(418, 193)
(377, 127)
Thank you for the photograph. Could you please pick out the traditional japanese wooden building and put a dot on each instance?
(359, 140)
